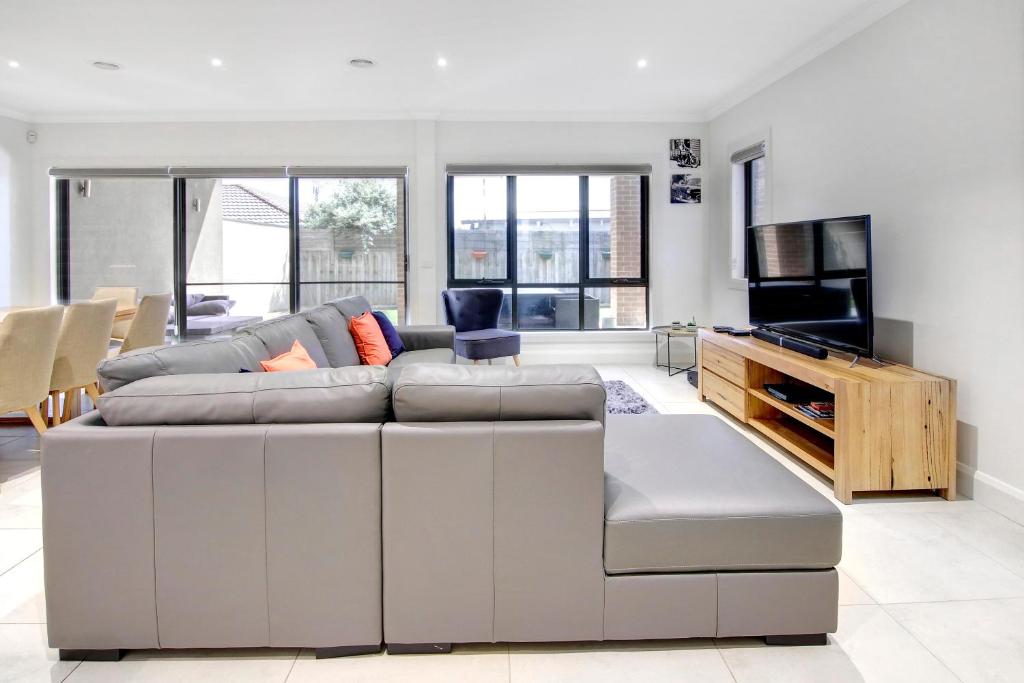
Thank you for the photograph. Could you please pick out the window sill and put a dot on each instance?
(589, 336)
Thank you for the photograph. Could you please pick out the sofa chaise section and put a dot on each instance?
(512, 513)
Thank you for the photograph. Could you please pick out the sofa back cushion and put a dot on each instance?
(331, 329)
(279, 334)
(461, 393)
(358, 394)
(189, 358)
(351, 306)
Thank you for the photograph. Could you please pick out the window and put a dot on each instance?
(236, 247)
(269, 241)
(569, 250)
(750, 204)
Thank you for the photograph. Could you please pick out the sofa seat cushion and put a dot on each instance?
(688, 493)
(357, 394)
(484, 344)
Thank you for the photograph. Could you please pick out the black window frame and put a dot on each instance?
(180, 283)
(510, 281)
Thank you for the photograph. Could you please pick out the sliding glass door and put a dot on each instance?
(237, 245)
(352, 241)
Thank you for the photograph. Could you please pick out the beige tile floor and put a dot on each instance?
(930, 591)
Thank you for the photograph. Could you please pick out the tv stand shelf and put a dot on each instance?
(894, 426)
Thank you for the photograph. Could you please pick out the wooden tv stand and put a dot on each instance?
(894, 426)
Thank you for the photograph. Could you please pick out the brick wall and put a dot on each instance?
(628, 303)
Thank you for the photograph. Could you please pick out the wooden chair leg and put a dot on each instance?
(94, 393)
(36, 418)
(515, 359)
(72, 403)
(57, 408)
(476, 362)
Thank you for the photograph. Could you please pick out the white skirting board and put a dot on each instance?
(993, 493)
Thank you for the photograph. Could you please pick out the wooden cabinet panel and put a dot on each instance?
(726, 395)
(724, 363)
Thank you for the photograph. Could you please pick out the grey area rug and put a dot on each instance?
(622, 400)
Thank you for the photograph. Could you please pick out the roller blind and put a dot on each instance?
(548, 169)
(235, 172)
(65, 173)
(746, 154)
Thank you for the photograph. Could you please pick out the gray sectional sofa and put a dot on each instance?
(343, 508)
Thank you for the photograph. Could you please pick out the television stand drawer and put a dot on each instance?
(725, 395)
(724, 363)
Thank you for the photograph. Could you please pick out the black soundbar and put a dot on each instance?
(789, 343)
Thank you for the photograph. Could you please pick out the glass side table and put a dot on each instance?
(669, 333)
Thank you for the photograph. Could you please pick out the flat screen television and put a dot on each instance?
(812, 280)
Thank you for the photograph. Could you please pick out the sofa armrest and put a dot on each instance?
(418, 337)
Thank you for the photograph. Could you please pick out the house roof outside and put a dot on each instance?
(242, 204)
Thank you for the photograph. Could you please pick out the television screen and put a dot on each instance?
(812, 280)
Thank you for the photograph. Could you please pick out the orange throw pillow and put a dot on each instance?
(296, 359)
(370, 343)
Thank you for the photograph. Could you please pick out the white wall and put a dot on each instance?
(15, 176)
(919, 121)
(677, 231)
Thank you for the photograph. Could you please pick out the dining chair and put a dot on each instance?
(28, 342)
(149, 326)
(81, 345)
(126, 296)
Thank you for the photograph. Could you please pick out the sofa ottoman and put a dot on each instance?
(690, 500)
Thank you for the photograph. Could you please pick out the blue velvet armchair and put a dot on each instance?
(474, 314)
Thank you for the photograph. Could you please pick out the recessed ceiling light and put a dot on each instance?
(442, 62)
(13, 64)
(216, 62)
(106, 66)
(641, 64)
(361, 63)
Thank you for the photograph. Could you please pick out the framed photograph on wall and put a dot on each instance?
(685, 189)
(685, 152)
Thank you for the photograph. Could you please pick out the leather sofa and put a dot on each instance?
(340, 509)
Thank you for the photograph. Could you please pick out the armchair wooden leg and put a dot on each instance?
(36, 417)
(57, 408)
(476, 362)
(72, 404)
(515, 359)
(94, 393)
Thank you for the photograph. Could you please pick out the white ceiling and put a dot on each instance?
(520, 60)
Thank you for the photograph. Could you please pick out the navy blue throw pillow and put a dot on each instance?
(390, 333)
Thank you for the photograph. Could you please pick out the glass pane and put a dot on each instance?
(614, 204)
(351, 229)
(548, 228)
(236, 230)
(554, 309)
(618, 307)
(480, 213)
(758, 192)
(505, 315)
(388, 298)
(121, 235)
(218, 310)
